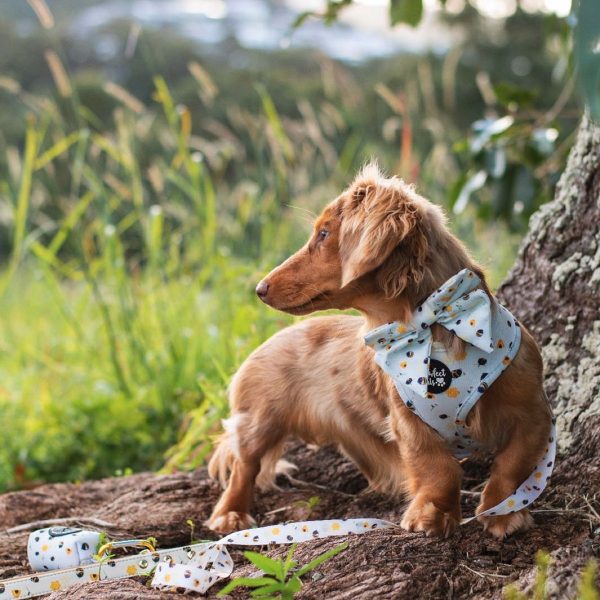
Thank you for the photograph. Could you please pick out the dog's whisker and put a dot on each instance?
(303, 209)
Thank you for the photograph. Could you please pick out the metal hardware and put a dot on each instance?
(125, 544)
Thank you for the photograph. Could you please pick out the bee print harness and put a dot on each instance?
(441, 389)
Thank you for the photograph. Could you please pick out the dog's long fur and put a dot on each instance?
(379, 248)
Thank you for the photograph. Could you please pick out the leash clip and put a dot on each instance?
(147, 544)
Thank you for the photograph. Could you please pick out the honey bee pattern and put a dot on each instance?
(440, 388)
(196, 567)
(61, 548)
(216, 564)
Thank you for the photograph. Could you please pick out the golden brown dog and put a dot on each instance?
(381, 249)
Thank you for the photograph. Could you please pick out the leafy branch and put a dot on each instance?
(401, 11)
(585, 16)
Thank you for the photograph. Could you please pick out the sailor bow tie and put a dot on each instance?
(403, 349)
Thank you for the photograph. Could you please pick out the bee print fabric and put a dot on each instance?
(214, 563)
(440, 388)
(61, 548)
(196, 567)
(436, 386)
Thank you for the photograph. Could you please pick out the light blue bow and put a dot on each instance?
(403, 349)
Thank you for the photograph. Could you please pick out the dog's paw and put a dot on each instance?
(503, 525)
(230, 521)
(425, 516)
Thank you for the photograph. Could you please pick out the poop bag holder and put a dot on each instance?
(61, 548)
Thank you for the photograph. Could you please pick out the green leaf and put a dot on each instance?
(70, 222)
(254, 582)
(455, 189)
(475, 182)
(542, 560)
(543, 140)
(507, 94)
(406, 11)
(267, 590)
(275, 122)
(313, 564)
(485, 129)
(333, 9)
(587, 587)
(299, 20)
(265, 563)
(293, 585)
(524, 189)
(59, 148)
(495, 161)
(289, 562)
(587, 53)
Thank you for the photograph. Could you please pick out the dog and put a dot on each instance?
(381, 249)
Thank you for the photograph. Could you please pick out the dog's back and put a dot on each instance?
(319, 380)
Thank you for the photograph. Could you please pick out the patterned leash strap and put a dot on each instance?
(531, 488)
(214, 563)
(196, 567)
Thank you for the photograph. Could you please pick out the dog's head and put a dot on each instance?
(375, 240)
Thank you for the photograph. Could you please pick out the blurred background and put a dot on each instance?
(157, 157)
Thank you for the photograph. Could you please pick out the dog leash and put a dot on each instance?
(531, 488)
(66, 556)
(196, 567)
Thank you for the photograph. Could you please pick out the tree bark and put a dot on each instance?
(554, 289)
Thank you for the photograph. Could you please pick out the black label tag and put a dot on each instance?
(440, 377)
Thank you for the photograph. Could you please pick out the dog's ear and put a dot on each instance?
(380, 222)
(406, 265)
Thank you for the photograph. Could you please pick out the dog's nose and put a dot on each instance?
(262, 289)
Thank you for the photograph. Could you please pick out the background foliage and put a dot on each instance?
(143, 195)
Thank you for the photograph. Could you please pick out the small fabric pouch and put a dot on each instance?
(61, 548)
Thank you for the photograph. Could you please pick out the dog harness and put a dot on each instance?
(441, 388)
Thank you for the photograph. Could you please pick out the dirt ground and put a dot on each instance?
(554, 290)
(384, 564)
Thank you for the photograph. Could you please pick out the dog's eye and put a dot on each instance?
(323, 233)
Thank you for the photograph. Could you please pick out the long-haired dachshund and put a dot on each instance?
(381, 249)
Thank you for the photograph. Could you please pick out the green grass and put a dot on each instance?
(76, 403)
(127, 294)
(120, 316)
(586, 589)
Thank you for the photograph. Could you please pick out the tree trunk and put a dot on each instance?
(554, 289)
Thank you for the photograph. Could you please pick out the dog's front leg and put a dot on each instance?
(511, 466)
(232, 511)
(433, 476)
